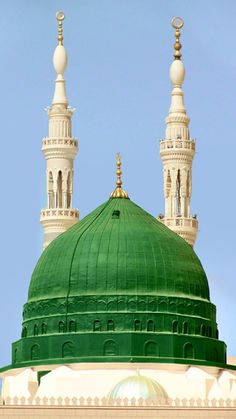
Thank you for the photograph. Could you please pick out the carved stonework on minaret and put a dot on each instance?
(177, 152)
(60, 150)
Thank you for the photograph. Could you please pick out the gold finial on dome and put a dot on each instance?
(119, 192)
(60, 16)
(177, 23)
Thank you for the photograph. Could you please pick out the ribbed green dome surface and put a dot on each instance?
(124, 252)
(118, 286)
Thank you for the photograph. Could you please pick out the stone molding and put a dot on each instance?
(99, 402)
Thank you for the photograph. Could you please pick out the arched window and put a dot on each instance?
(69, 190)
(72, 326)
(168, 184)
(68, 350)
(137, 325)
(24, 332)
(110, 325)
(110, 348)
(210, 331)
(44, 328)
(151, 349)
(15, 356)
(97, 326)
(36, 330)
(50, 190)
(150, 326)
(59, 189)
(175, 326)
(203, 330)
(35, 352)
(188, 351)
(178, 196)
(61, 327)
(185, 328)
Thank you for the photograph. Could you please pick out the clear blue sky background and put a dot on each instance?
(117, 79)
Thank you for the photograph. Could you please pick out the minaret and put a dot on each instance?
(60, 150)
(177, 152)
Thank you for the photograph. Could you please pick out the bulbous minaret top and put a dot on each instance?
(60, 64)
(60, 149)
(177, 152)
(177, 72)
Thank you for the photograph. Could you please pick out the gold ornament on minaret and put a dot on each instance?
(60, 16)
(177, 23)
(119, 192)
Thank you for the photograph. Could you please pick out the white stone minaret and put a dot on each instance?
(177, 152)
(60, 150)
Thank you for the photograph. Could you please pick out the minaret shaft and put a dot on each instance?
(177, 151)
(60, 149)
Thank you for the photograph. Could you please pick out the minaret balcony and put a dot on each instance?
(185, 227)
(181, 150)
(60, 147)
(62, 213)
(56, 221)
(63, 142)
(177, 144)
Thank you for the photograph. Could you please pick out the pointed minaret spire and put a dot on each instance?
(60, 149)
(119, 192)
(177, 152)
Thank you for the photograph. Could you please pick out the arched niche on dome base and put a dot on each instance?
(152, 305)
(185, 328)
(61, 327)
(132, 305)
(150, 326)
(102, 305)
(110, 325)
(188, 351)
(15, 357)
(24, 332)
(96, 326)
(72, 326)
(141, 305)
(91, 305)
(175, 326)
(110, 348)
(68, 350)
(151, 348)
(35, 352)
(122, 303)
(137, 325)
(112, 305)
(162, 306)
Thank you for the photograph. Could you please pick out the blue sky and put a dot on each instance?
(117, 79)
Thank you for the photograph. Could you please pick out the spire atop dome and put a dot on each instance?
(119, 192)
(60, 64)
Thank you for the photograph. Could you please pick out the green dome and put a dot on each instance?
(118, 286)
(118, 249)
